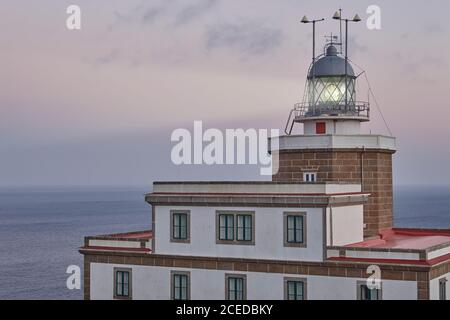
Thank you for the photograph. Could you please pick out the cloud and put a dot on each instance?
(248, 38)
(426, 69)
(142, 13)
(178, 15)
(109, 57)
(433, 29)
(424, 63)
(191, 12)
(152, 14)
(355, 46)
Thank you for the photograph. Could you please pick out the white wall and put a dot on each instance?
(346, 225)
(334, 127)
(256, 187)
(269, 241)
(438, 253)
(154, 283)
(434, 287)
(295, 142)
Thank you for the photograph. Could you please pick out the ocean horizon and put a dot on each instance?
(41, 228)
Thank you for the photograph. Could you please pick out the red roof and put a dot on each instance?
(430, 262)
(138, 237)
(144, 235)
(145, 250)
(403, 238)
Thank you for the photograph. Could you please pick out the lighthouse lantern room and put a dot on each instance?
(329, 104)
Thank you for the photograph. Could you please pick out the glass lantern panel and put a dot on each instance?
(328, 93)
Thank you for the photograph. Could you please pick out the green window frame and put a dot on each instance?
(236, 287)
(122, 284)
(295, 228)
(235, 227)
(180, 226)
(443, 289)
(295, 290)
(365, 293)
(180, 286)
(226, 227)
(244, 227)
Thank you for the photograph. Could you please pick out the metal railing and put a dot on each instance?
(360, 109)
(356, 109)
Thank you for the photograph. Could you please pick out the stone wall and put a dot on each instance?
(371, 168)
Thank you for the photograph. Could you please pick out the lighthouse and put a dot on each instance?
(332, 146)
(316, 231)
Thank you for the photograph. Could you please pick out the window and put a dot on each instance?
(309, 176)
(443, 289)
(179, 228)
(226, 227)
(294, 229)
(122, 283)
(180, 286)
(235, 287)
(244, 227)
(320, 128)
(294, 289)
(235, 227)
(365, 293)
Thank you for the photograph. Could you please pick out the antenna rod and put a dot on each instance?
(306, 20)
(356, 18)
(314, 67)
(340, 29)
(346, 61)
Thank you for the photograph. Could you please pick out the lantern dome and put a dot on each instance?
(330, 65)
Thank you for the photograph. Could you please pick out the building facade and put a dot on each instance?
(308, 243)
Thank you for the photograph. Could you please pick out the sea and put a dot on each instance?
(41, 229)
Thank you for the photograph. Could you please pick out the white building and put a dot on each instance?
(316, 231)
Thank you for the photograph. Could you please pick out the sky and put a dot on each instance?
(97, 106)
